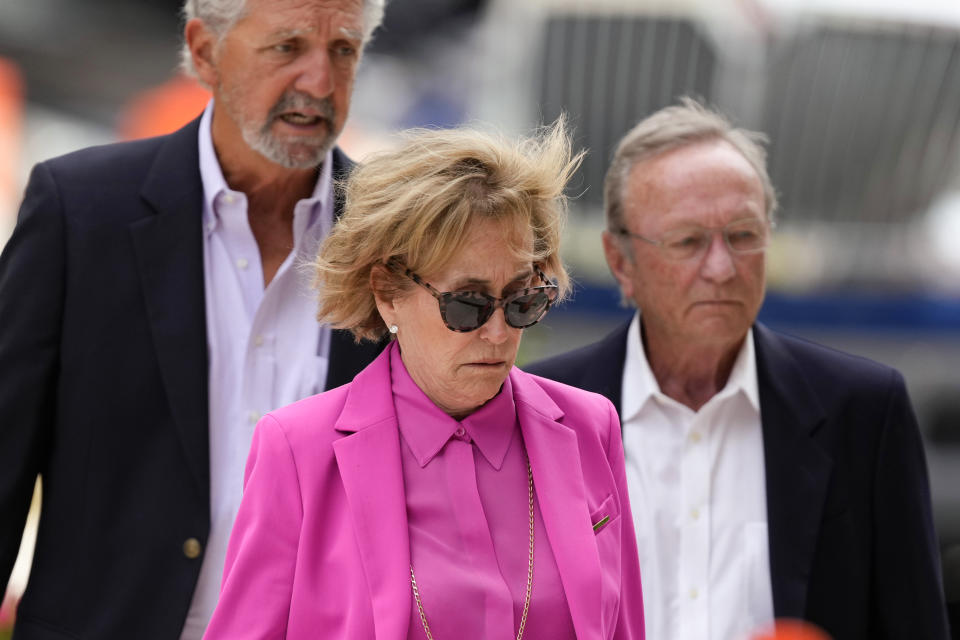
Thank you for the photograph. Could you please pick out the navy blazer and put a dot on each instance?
(103, 388)
(852, 544)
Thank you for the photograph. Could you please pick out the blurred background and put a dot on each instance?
(861, 100)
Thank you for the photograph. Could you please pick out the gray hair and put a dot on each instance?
(221, 15)
(679, 126)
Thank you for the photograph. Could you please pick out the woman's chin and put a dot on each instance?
(473, 396)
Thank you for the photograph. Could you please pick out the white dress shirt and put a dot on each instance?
(698, 494)
(265, 346)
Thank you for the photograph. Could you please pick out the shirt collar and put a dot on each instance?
(426, 428)
(641, 386)
(492, 426)
(215, 186)
(639, 383)
(743, 376)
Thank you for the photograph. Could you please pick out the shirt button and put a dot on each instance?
(694, 593)
(229, 198)
(192, 548)
(253, 416)
(258, 341)
(695, 437)
(460, 431)
(242, 263)
(694, 513)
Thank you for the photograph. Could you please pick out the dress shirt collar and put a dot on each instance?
(426, 428)
(216, 190)
(638, 378)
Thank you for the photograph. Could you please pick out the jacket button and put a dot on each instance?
(192, 548)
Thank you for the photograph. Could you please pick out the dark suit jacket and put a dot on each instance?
(852, 544)
(103, 388)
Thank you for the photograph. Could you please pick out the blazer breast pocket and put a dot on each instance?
(603, 516)
(606, 522)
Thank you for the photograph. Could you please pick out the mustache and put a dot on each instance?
(297, 101)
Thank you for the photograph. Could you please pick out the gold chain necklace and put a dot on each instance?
(526, 599)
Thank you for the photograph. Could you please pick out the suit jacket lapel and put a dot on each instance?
(598, 367)
(169, 249)
(370, 469)
(561, 495)
(797, 471)
(607, 369)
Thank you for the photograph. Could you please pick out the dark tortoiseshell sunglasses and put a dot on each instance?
(465, 311)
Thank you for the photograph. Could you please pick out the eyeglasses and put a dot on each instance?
(746, 236)
(465, 311)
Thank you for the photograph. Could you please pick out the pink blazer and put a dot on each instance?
(320, 548)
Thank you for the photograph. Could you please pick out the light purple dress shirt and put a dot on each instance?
(265, 346)
(468, 513)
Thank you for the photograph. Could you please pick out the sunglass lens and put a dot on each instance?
(465, 312)
(527, 310)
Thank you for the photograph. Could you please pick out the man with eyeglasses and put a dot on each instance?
(769, 477)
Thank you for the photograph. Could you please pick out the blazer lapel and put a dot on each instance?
(606, 371)
(169, 249)
(370, 469)
(559, 485)
(797, 471)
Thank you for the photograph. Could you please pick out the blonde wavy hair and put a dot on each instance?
(417, 203)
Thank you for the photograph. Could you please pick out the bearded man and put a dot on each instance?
(152, 309)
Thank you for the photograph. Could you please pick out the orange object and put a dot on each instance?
(11, 125)
(793, 630)
(163, 109)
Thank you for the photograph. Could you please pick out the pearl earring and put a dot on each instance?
(394, 329)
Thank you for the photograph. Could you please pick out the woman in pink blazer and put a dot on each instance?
(443, 493)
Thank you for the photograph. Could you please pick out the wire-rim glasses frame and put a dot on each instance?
(744, 236)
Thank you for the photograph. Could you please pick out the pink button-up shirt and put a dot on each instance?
(468, 514)
(322, 544)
